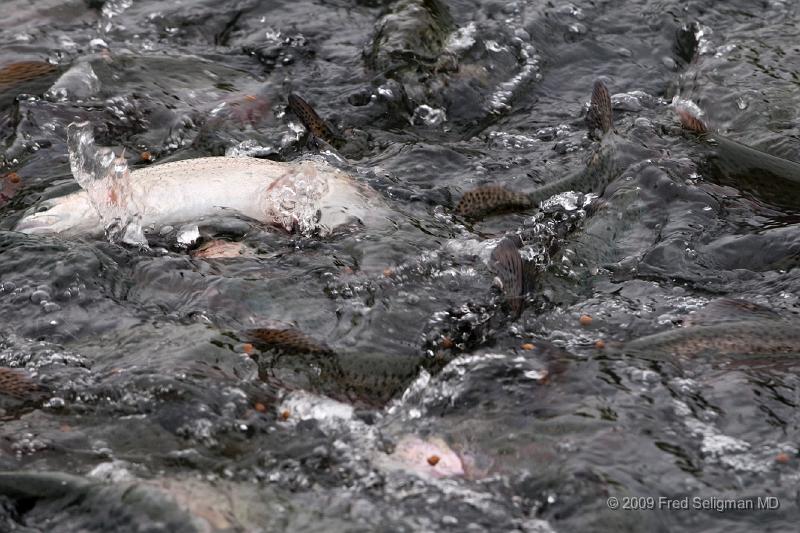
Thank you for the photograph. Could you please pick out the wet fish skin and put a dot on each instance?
(288, 340)
(508, 265)
(315, 125)
(491, 199)
(598, 172)
(18, 385)
(183, 191)
(774, 178)
(747, 337)
(15, 74)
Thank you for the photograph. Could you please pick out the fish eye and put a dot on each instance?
(42, 209)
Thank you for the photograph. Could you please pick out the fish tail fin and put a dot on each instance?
(600, 115)
(315, 124)
(491, 198)
(508, 265)
(691, 122)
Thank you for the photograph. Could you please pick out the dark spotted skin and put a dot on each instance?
(749, 337)
(491, 199)
(286, 340)
(17, 384)
(594, 178)
(315, 125)
(17, 73)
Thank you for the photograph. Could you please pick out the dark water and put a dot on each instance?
(388, 346)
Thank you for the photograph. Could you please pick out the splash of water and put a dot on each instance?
(106, 180)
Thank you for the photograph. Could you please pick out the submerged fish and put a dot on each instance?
(309, 196)
(775, 179)
(594, 178)
(725, 327)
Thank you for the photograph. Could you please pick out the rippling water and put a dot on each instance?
(376, 379)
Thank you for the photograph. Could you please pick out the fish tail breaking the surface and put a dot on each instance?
(600, 116)
(507, 263)
(491, 198)
(691, 122)
(315, 124)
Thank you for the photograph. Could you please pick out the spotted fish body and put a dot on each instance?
(16, 384)
(491, 199)
(316, 125)
(287, 340)
(594, 178)
(24, 71)
(748, 337)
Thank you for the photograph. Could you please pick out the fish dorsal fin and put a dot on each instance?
(491, 198)
(691, 122)
(730, 310)
(599, 116)
(316, 125)
(507, 264)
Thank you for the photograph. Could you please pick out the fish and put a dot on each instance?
(305, 196)
(772, 178)
(286, 339)
(727, 326)
(15, 74)
(600, 169)
(748, 337)
(316, 126)
(350, 144)
(16, 384)
(507, 263)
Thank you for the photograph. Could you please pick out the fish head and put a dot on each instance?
(68, 215)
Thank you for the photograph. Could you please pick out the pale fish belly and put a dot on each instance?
(300, 195)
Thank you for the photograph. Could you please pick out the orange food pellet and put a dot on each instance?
(527, 346)
(260, 407)
(284, 415)
(13, 177)
(599, 344)
(586, 320)
(146, 156)
(247, 348)
(250, 98)
(782, 458)
(447, 342)
(387, 272)
(433, 460)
